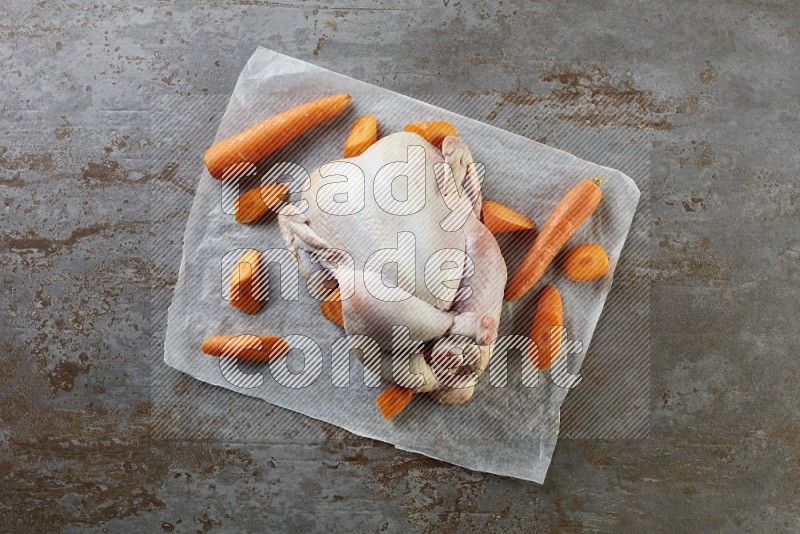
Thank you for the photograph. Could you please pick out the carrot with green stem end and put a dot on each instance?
(269, 135)
(569, 214)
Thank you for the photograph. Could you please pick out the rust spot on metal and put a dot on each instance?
(111, 172)
(601, 460)
(591, 95)
(564, 521)
(788, 434)
(106, 172)
(63, 376)
(206, 523)
(181, 387)
(708, 75)
(320, 46)
(63, 131)
(109, 479)
(35, 242)
(688, 268)
(14, 181)
(26, 161)
(723, 453)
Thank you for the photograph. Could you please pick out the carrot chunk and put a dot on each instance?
(246, 283)
(362, 136)
(433, 132)
(332, 309)
(500, 219)
(253, 205)
(587, 261)
(549, 314)
(246, 347)
(393, 400)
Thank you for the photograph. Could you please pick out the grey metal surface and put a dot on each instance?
(714, 84)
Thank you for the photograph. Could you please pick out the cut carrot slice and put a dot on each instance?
(332, 309)
(587, 261)
(433, 132)
(245, 283)
(569, 214)
(257, 202)
(500, 219)
(362, 136)
(393, 400)
(549, 314)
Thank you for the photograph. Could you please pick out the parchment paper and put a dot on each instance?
(510, 430)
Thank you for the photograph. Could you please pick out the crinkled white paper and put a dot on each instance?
(510, 430)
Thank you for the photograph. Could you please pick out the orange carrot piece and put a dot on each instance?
(246, 347)
(362, 136)
(269, 135)
(257, 202)
(393, 399)
(549, 313)
(433, 132)
(585, 262)
(571, 212)
(246, 282)
(332, 309)
(500, 219)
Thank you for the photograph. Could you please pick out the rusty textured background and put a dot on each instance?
(716, 86)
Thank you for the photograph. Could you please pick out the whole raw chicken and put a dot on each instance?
(398, 228)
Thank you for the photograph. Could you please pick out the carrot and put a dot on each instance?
(332, 309)
(246, 283)
(433, 132)
(393, 399)
(585, 262)
(257, 202)
(499, 218)
(571, 212)
(362, 136)
(246, 347)
(549, 313)
(264, 138)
